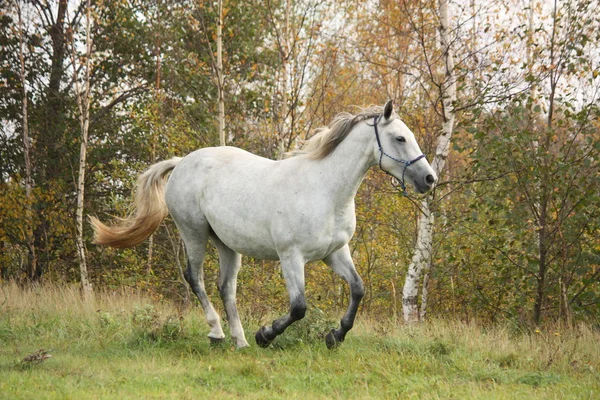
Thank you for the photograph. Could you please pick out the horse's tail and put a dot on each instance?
(148, 212)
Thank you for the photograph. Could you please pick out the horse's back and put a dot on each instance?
(224, 155)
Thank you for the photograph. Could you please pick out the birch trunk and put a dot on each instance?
(284, 51)
(566, 308)
(220, 78)
(419, 263)
(423, 248)
(157, 98)
(424, 294)
(31, 251)
(83, 102)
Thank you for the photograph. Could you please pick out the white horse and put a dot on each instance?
(297, 210)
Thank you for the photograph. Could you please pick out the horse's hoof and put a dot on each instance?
(216, 341)
(261, 338)
(331, 340)
(242, 346)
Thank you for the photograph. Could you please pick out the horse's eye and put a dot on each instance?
(401, 139)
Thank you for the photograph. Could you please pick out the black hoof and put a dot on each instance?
(261, 338)
(331, 340)
(216, 341)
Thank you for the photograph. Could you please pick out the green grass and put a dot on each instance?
(127, 346)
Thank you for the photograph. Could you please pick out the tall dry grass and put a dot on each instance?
(59, 299)
(550, 347)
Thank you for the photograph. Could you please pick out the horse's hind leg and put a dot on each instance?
(341, 263)
(230, 262)
(195, 244)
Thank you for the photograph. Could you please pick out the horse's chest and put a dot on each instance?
(344, 225)
(328, 234)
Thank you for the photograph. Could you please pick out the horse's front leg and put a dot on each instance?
(293, 273)
(341, 263)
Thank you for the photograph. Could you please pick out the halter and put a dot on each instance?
(383, 153)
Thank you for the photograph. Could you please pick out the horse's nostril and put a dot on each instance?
(429, 179)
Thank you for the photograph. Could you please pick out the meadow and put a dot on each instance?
(126, 345)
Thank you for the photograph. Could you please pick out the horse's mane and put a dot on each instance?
(327, 138)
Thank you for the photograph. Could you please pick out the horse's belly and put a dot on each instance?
(249, 246)
(243, 234)
(250, 236)
(313, 237)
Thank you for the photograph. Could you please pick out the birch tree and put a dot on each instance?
(83, 97)
(219, 73)
(424, 244)
(157, 100)
(216, 62)
(284, 44)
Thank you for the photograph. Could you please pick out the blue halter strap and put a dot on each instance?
(383, 153)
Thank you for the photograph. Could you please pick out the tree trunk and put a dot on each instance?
(83, 101)
(158, 100)
(423, 248)
(30, 240)
(566, 307)
(424, 293)
(545, 188)
(284, 52)
(220, 78)
(51, 141)
(542, 267)
(419, 264)
(47, 146)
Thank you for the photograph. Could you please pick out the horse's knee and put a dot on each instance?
(222, 289)
(227, 289)
(298, 310)
(191, 277)
(358, 290)
(187, 273)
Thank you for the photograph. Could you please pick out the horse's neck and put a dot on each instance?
(347, 166)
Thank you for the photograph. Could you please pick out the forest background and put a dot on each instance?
(92, 93)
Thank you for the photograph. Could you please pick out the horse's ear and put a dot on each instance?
(388, 109)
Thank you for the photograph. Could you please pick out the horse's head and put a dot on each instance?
(397, 152)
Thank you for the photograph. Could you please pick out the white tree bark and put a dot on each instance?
(419, 263)
(83, 102)
(423, 248)
(424, 294)
(220, 78)
(285, 51)
(157, 98)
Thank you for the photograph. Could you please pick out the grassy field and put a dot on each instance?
(127, 346)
